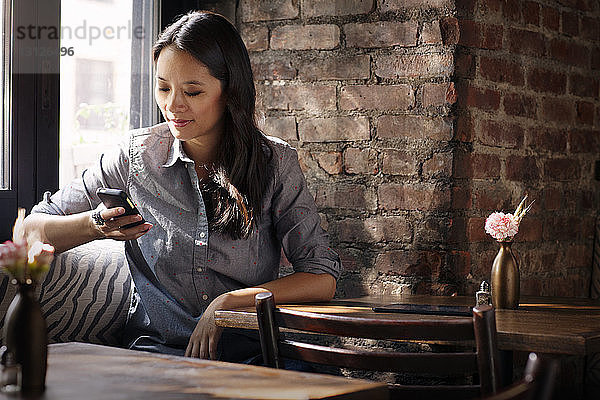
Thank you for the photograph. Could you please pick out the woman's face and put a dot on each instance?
(189, 97)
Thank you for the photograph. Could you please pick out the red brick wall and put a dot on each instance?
(404, 174)
(359, 87)
(527, 75)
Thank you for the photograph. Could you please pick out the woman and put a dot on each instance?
(220, 200)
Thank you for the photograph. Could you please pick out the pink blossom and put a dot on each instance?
(12, 253)
(26, 264)
(501, 226)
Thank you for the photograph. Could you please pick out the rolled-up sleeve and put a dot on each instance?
(297, 222)
(110, 170)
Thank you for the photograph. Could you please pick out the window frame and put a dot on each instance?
(6, 157)
(34, 98)
(143, 111)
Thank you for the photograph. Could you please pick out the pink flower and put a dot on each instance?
(26, 263)
(12, 259)
(12, 253)
(501, 226)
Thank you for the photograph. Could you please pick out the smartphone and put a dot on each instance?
(118, 198)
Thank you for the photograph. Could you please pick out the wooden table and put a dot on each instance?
(85, 371)
(542, 324)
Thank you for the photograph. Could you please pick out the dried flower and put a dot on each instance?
(26, 264)
(503, 227)
(522, 209)
(18, 227)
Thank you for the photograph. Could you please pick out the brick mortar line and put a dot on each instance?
(528, 61)
(547, 32)
(529, 122)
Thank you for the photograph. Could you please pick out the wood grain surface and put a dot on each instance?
(85, 371)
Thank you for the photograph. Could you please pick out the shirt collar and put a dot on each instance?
(176, 152)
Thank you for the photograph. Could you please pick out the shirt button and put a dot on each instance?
(199, 243)
(202, 234)
(204, 297)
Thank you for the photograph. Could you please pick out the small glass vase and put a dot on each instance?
(505, 278)
(27, 338)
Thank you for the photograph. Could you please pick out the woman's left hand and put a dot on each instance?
(206, 335)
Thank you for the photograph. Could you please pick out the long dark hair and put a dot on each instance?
(237, 186)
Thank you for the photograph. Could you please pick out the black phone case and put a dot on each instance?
(118, 198)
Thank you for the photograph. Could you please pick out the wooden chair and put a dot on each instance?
(537, 384)
(482, 328)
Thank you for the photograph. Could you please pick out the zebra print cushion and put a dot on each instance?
(86, 295)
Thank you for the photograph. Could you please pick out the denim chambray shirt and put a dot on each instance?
(180, 266)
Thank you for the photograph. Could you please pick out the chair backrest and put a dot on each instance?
(538, 381)
(481, 328)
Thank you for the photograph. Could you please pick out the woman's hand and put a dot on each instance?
(114, 220)
(205, 337)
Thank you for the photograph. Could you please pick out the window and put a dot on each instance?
(38, 77)
(100, 81)
(94, 81)
(93, 92)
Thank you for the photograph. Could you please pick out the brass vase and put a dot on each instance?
(505, 278)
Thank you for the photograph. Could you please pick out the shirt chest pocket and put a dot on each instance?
(241, 260)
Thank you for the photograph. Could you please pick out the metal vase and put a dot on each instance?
(505, 278)
(27, 338)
